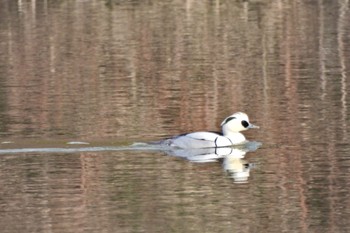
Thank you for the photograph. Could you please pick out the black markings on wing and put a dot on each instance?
(229, 140)
(202, 139)
(216, 145)
(216, 132)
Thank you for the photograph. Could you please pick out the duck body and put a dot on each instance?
(230, 135)
(204, 140)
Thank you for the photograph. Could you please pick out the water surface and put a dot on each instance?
(111, 73)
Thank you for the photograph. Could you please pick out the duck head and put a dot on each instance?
(235, 123)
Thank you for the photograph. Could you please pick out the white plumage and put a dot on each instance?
(230, 135)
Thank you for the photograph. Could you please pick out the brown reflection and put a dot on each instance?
(71, 70)
(139, 70)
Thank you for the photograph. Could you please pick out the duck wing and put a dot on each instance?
(206, 136)
(200, 140)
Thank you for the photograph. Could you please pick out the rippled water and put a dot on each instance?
(106, 74)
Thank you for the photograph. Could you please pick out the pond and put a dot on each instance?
(83, 84)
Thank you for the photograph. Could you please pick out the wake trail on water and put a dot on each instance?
(134, 146)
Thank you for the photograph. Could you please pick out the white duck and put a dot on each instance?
(230, 135)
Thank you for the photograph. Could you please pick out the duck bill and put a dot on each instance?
(251, 126)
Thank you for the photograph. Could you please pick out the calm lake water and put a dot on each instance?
(111, 73)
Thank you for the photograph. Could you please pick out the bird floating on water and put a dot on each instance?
(230, 135)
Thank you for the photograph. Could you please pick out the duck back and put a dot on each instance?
(199, 140)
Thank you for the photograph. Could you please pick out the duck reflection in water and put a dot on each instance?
(232, 158)
(228, 146)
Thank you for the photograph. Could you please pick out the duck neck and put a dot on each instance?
(229, 133)
(236, 136)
